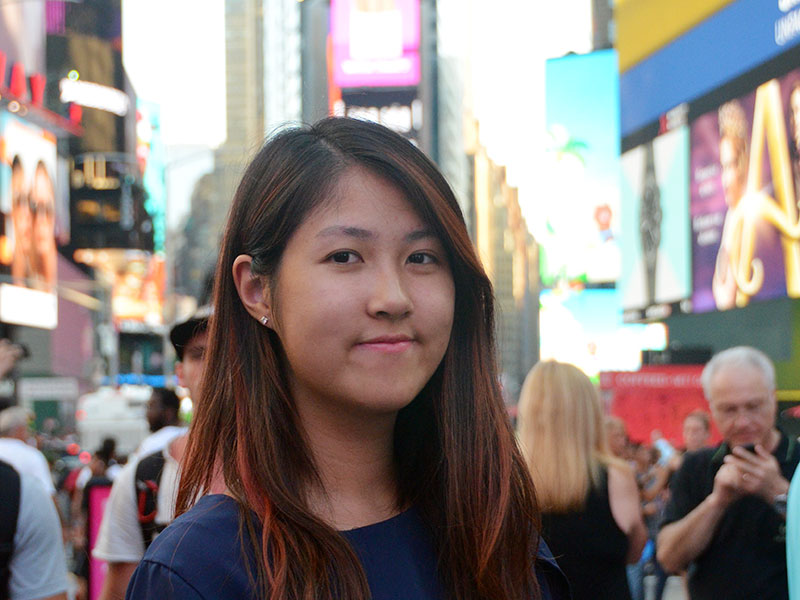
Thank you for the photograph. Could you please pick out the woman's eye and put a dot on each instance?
(343, 257)
(421, 258)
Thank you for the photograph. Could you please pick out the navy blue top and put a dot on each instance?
(200, 556)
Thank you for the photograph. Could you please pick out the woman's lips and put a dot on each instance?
(388, 345)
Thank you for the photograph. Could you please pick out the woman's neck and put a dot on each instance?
(354, 457)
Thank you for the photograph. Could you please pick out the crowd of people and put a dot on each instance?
(350, 440)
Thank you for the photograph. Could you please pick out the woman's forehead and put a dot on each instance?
(361, 199)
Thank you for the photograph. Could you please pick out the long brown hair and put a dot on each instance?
(455, 454)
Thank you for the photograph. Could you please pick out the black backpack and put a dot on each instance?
(148, 478)
(9, 511)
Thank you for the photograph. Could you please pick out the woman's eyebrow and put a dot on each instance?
(355, 232)
(421, 234)
(365, 234)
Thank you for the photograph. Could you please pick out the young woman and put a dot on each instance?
(591, 516)
(350, 412)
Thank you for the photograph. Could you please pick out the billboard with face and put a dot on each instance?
(744, 194)
(27, 202)
(27, 216)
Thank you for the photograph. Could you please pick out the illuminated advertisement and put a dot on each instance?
(137, 281)
(577, 208)
(27, 223)
(652, 86)
(375, 43)
(656, 262)
(87, 85)
(108, 204)
(745, 168)
(399, 110)
(585, 328)
(151, 158)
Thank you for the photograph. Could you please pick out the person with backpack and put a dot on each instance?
(32, 561)
(142, 501)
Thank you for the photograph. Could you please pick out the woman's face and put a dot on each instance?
(43, 200)
(363, 302)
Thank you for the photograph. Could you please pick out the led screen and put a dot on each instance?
(137, 281)
(375, 44)
(744, 181)
(577, 209)
(27, 223)
(152, 160)
(654, 215)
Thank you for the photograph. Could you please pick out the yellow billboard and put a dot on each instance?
(644, 26)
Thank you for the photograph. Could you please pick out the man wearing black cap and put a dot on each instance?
(122, 539)
(189, 340)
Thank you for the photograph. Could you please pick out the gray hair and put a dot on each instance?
(13, 417)
(738, 356)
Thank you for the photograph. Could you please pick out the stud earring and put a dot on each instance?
(264, 320)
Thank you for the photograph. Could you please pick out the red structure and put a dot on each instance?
(656, 397)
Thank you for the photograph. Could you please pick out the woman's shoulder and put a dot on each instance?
(200, 555)
(214, 517)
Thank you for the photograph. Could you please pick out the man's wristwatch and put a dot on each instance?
(779, 504)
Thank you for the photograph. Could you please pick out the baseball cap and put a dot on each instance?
(182, 332)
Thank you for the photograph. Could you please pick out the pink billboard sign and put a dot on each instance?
(98, 496)
(375, 43)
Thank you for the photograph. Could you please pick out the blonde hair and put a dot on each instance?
(733, 125)
(561, 429)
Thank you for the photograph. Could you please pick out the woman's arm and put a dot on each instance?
(623, 497)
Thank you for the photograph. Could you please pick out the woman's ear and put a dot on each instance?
(251, 288)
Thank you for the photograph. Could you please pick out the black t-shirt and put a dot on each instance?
(746, 558)
(590, 547)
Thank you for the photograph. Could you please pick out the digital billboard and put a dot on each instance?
(375, 44)
(137, 280)
(745, 169)
(654, 214)
(585, 328)
(577, 207)
(399, 110)
(108, 204)
(87, 84)
(739, 37)
(151, 156)
(27, 223)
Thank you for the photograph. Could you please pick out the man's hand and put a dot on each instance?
(727, 485)
(759, 473)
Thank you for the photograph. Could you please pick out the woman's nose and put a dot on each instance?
(389, 295)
